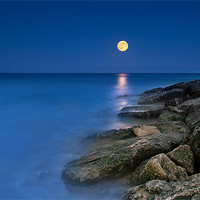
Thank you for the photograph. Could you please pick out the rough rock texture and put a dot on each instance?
(162, 190)
(170, 116)
(184, 157)
(182, 90)
(190, 105)
(109, 136)
(145, 130)
(161, 167)
(144, 112)
(176, 110)
(158, 167)
(172, 127)
(174, 102)
(118, 159)
(193, 140)
(193, 119)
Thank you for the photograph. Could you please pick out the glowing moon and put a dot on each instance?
(122, 45)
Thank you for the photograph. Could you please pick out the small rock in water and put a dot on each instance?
(42, 173)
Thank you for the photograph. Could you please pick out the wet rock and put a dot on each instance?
(162, 190)
(118, 159)
(190, 106)
(193, 119)
(184, 157)
(145, 130)
(124, 96)
(170, 116)
(138, 177)
(193, 140)
(161, 167)
(172, 127)
(107, 137)
(142, 111)
(182, 90)
(196, 197)
(174, 102)
(161, 96)
(176, 110)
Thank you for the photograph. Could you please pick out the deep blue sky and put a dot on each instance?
(82, 36)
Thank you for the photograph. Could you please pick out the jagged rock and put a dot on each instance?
(145, 130)
(193, 140)
(184, 157)
(161, 96)
(162, 190)
(109, 136)
(196, 197)
(193, 119)
(174, 102)
(190, 106)
(172, 127)
(182, 90)
(118, 159)
(170, 116)
(142, 111)
(161, 167)
(176, 110)
(138, 177)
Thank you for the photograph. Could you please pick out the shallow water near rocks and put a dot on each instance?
(44, 117)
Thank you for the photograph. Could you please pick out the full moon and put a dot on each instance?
(122, 45)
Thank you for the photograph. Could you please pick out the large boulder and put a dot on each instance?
(184, 157)
(182, 90)
(142, 111)
(193, 119)
(161, 96)
(170, 116)
(193, 140)
(162, 190)
(145, 130)
(161, 167)
(171, 127)
(158, 167)
(118, 159)
(108, 137)
(190, 106)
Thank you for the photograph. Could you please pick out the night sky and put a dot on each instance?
(82, 36)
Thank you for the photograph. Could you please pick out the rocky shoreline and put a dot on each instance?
(162, 160)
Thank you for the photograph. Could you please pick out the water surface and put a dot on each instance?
(43, 118)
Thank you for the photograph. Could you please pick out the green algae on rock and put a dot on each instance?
(118, 159)
(162, 190)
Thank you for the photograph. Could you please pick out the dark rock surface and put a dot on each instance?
(107, 137)
(184, 157)
(171, 127)
(182, 90)
(144, 112)
(118, 159)
(193, 119)
(193, 140)
(190, 106)
(162, 190)
(170, 116)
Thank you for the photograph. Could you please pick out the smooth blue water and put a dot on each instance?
(43, 118)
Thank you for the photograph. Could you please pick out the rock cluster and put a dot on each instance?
(162, 160)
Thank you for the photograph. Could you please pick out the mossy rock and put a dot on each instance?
(118, 159)
(170, 116)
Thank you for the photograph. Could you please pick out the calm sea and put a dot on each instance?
(43, 118)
